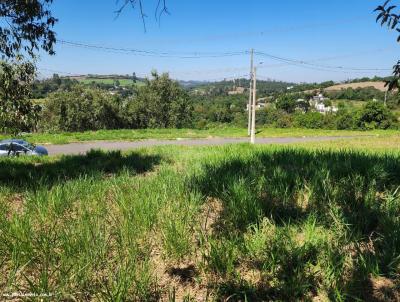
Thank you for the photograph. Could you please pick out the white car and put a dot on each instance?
(16, 147)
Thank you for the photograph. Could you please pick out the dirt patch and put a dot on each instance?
(251, 274)
(178, 280)
(303, 199)
(185, 274)
(362, 247)
(381, 289)
(211, 213)
(15, 204)
(185, 278)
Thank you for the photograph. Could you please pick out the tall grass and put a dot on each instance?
(291, 224)
(309, 222)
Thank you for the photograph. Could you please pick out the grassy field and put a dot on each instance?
(387, 144)
(122, 82)
(243, 223)
(349, 103)
(222, 131)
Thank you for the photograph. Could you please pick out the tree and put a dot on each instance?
(328, 103)
(387, 17)
(303, 105)
(286, 103)
(346, 119)
(56, 79)
(374, 115)
(278, 118)
(310, 120)
(17, 113)
(161, 8)
(26, 27)
(160, 103)
(28, 24)
(81, 109)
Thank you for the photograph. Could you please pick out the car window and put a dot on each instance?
(4, 147)
(17, 147)
(28, 145)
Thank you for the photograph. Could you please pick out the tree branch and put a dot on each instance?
(392, 20)
(161, 9)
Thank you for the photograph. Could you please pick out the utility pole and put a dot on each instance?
(386, 93)
(250, 93)
(253, 111)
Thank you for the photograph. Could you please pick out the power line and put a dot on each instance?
(153, 53)
(314, 65)
(227, 79)
(199, 55)
(283, 63)
(57, 71)
(344, 56)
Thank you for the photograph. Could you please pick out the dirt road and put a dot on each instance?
(81, 148)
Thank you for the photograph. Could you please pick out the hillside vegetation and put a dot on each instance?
(70, 105)
(108, 81)
(377, 85)
(160, 102)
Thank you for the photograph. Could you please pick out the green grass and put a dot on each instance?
(378, 144)
(350, 103)
(244, 223)
(221, 131)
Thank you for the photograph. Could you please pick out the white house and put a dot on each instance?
(321, 108)
(320, 98)
(317, 102)
(237, 90)
(259, 106)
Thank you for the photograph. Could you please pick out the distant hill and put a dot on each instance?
(264, 86)
(377, 85)
(220, 87)
(124, 80)
(191, 84)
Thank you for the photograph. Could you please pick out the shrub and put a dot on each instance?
(201, 124)
(278, 118)
(161, 103)
(328, 103)
(284, 121)
(375, 115)
(286, 103)
(345, 120)
(81, 109)
(311, 120)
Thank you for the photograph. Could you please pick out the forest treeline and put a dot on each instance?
(160, 102)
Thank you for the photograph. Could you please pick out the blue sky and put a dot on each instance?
(335, 33)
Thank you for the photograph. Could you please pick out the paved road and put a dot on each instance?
(81, 148)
